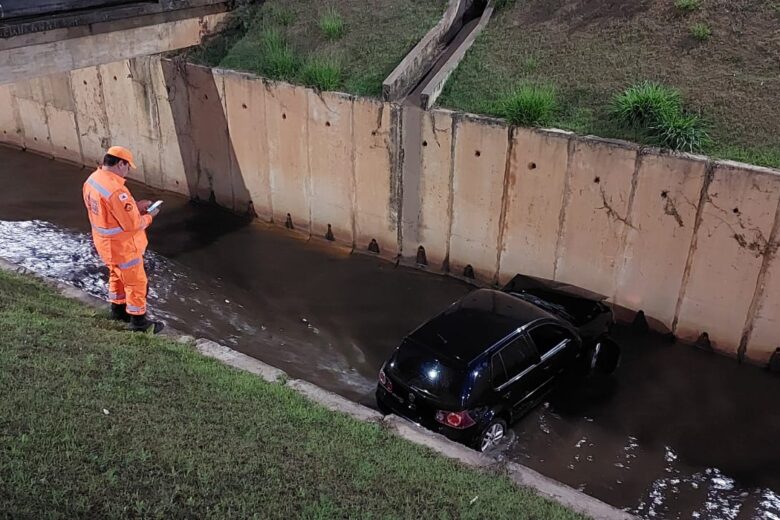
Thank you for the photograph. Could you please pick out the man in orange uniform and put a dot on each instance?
(118, 230)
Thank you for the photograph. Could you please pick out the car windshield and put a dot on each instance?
(419, 367)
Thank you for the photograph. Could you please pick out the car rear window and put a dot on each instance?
(419, 367)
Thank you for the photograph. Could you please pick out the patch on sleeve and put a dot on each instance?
(123, 197)
(128, 207)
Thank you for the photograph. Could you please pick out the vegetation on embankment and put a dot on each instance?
(98, 422)
(720, 57)
(346, 45)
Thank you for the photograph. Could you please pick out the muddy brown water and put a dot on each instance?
(677, 433)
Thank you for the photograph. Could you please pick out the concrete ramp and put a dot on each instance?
(43, 37)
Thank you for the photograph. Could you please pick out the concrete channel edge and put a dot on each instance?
(521, 475)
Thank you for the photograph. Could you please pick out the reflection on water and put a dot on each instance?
(202, 305)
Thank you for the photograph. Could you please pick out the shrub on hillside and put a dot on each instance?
(278, 59)
(322, 72)
(528, 105)
(641, 106)
(655, 112)
(332, 24)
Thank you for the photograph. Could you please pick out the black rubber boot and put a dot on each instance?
(119, 312)
(140, 323)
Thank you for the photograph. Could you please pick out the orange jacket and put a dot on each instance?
(118, 228)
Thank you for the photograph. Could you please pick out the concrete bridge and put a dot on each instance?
(42, 37)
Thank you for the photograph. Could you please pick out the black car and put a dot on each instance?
(493, 355)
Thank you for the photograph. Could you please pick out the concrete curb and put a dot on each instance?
(520, 475)
(240, 361)
(565, 495)
(438, 443)
(335, 402)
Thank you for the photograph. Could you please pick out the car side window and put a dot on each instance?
(547, 337)
(498, 371)
(513, 359)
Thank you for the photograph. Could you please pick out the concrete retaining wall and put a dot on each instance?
(691, 242)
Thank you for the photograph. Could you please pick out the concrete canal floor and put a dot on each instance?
(678, 433)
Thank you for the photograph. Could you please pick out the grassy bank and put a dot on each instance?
(721, 56)
(97, 422)
(347, 45)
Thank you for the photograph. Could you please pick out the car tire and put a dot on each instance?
(605, 356)
(492, 435)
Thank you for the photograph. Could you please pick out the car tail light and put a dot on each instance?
(459, 420)
(385, 381)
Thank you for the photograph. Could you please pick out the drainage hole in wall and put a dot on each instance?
(664, 194)
(64, 147)
(243, 105)
(477, 153)
(114, 78)
(736, 211)
(597, 180)
(35, 138)
(284, 116)
(425, 143)
(205, 96)
(177, 183)
(373, 132)
(85, 82)
(327, 123)
(531, 165)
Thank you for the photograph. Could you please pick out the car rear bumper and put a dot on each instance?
(391, 403)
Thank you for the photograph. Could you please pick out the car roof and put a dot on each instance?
(476, 322)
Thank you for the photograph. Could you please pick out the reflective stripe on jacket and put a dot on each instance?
(118, 228)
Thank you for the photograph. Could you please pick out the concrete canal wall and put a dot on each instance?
(690, 241)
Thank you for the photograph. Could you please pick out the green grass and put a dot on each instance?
(590, 58)
(332, 24)
(268, 52)
(687, 5)
(528, 105)
(322, 73)
(653, 113)
(643, 105)
(184, 436)
(701, 31)
(680, 131)
(369, 42)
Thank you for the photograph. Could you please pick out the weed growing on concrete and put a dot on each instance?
(687, 5)
(641, 106)
(332, 24)
(322, 72)
(701, 31)
(528, 105)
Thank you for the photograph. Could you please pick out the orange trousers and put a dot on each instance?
(128, 285)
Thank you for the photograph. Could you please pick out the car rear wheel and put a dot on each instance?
(492, 435)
